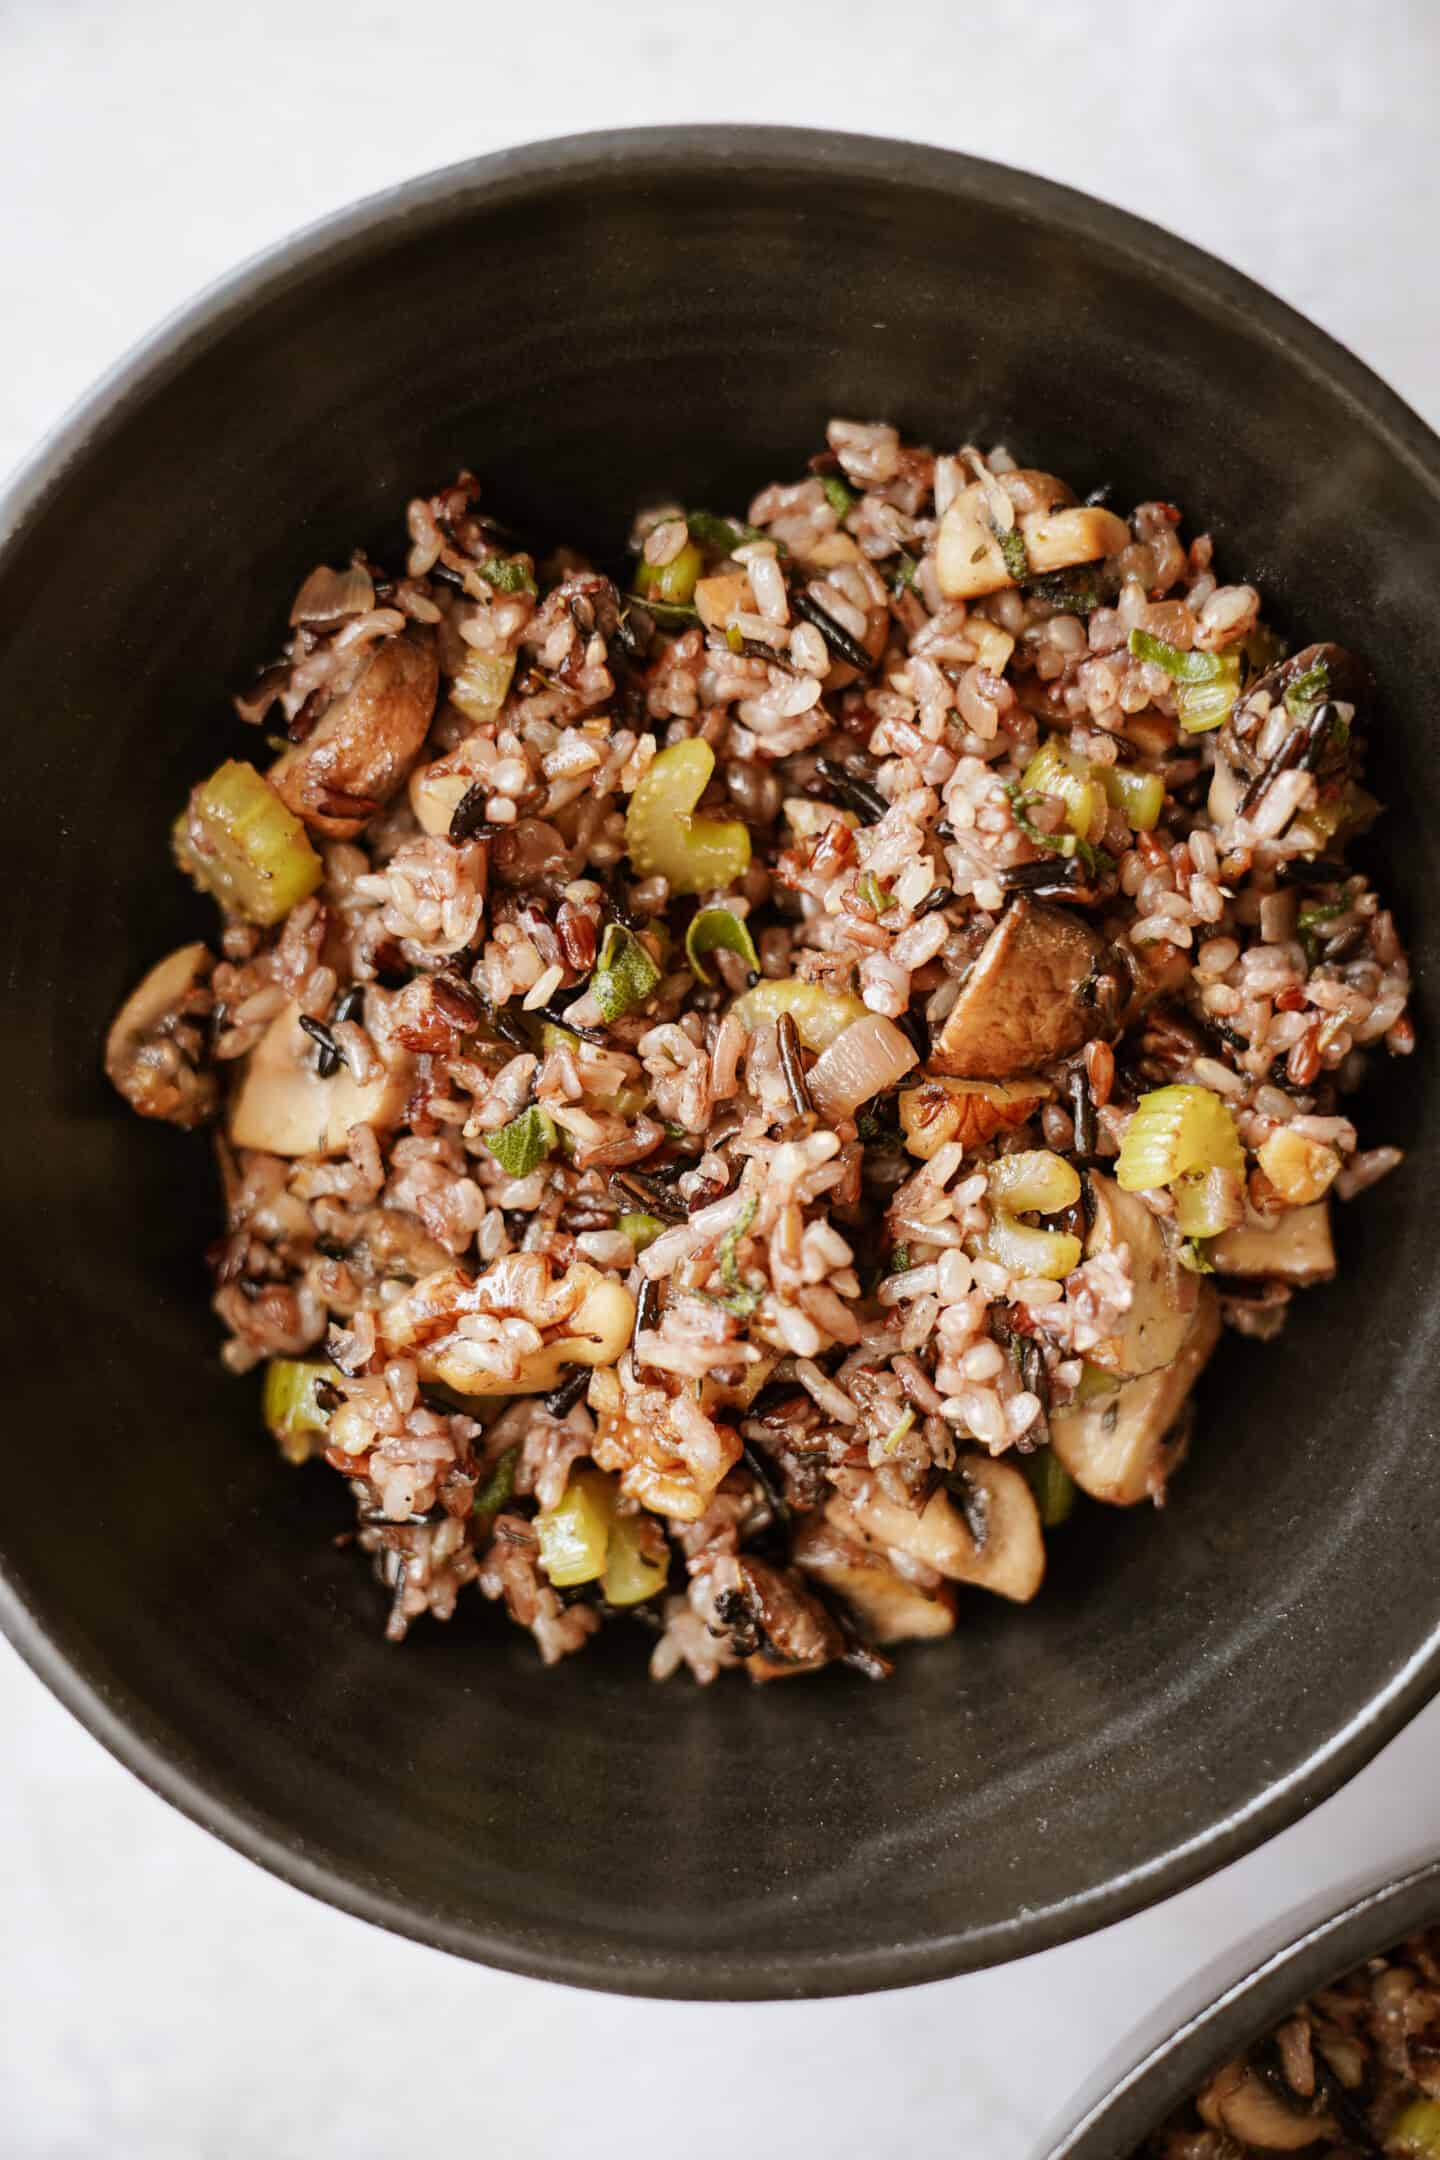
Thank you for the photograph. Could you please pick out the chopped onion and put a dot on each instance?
(869, 1056)
(327, 594)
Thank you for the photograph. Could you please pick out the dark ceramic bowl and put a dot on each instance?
(590, 323)
(1181, 2052)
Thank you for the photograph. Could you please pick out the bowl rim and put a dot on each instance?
(1327, 1947)
(77, 1677)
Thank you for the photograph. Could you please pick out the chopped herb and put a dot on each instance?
(1207, 684)
(1309, 920)
(500, 1484)
(899, 1261)
(874, 894)
(1180, 666)
(742, 1297)
(507, 573)
(735, 638)
(522, 1145)
(1069, 592)
(907, 571)
(665, 614)
(716, 929)
(897, 1433)
(625, 975)
(1195, 1255)
(1308, 690)
(1069, 844)
(1012, 548)
(720, 532)
(841, 499)
(878, 1132)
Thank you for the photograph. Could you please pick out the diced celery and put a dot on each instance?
(819, 1015)
(1175, 1130)
(674, 582)
(664, 838)
(641, 1229)
(1415, 2132)
(1033, 1182)
(1206, 683)
(1208, 1202)
(482, 685)
(1050, 1255)
(238, 840)
(1054, 771)
(1052, 1485)
(631, 1575)
(1139, 797)
(575, 1533)
(289, 1406)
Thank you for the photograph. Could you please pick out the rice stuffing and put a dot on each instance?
(744, 1087)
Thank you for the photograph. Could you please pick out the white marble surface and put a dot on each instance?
(159, 1996)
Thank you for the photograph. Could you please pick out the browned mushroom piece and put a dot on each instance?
(1122, 1447)
(799, 1634)
(390, 1244)
(1240, 2102)
(1009, 1558)
(1294, 1246)
(888, 1606)
(1165, 1292)
(157, 1038)
(365, 742)
(283, 1104)
(1021, 1006)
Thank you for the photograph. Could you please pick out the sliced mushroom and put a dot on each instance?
(888, 1606)
(1165, 1292)
(143, 1061)
(1010, 1561)
(390, 1244)
(970, 559)
(1060, 539)
(365, 743)
(1241, 2102)
(1020, 1007)
(970, 1111)
(282, 1106)
(586, 1318)
(1118, 1447)
(1292, 1247)
(799, 1634)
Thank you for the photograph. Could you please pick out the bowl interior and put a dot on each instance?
(589, 326)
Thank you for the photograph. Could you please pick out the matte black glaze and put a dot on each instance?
(589, 323)
(1174, 2066)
